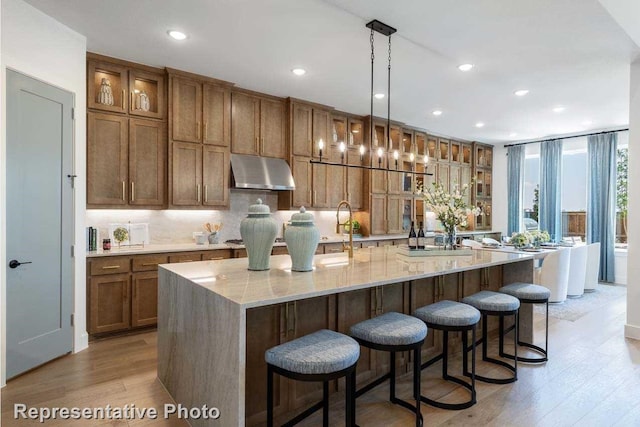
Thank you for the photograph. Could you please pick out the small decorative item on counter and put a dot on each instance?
(520, 240)
(201, 238)
(105, 94)
(212, 230)
(302, 237)
(120, 234)
(258, 231)
(106, 244)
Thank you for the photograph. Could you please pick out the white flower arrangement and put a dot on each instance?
(450, 208)
(526, 238)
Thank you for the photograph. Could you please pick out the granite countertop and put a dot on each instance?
(187, 247)
(333, 273)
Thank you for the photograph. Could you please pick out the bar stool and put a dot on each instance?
(393, 332)
(528, 293)
(321, 356)
(451, 316)
(496, 304)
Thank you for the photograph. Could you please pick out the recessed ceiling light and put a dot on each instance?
(513, 134)
(587, 123)
(379, 95)
(299, 71)
(521, 92)
(465, 67)
(178, 35)
(437, 112)
(479, 124)
(559, 109)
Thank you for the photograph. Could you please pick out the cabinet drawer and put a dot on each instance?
(110, 265)
(148, 262)
(188, 257)
(385, 243)
(332, 248)
(279, 250)
(370, 244)
(217, 254)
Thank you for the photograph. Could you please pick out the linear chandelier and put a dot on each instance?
(386, 30)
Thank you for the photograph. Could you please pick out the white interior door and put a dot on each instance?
(39, 223)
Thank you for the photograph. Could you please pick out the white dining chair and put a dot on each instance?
(593, 267)
(490, 241)
(554, 274)
(577, 271)
(471, 244)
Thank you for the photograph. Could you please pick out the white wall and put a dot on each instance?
(500, 194)
(41, 47)
(632, 328)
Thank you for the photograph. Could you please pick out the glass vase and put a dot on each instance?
(450, 239)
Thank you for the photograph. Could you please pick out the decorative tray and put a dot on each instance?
(433, 252)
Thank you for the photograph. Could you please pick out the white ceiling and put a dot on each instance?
(566, 52)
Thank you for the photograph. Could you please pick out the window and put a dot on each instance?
(621, 189)
(530, 199)
(574, 187)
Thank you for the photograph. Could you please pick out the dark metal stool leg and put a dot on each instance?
(350, 404)
(392, 380)
(416, 384)
(445, 354)
(325, 403)
(269, 396)
(473, 364)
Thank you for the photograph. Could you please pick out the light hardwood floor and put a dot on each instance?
(591, 379)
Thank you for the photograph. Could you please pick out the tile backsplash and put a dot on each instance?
(177, 226)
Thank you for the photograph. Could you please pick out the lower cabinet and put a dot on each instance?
(144, 298)
(268, 327)
(109, 303)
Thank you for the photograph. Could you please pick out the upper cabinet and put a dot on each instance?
(119, 88)
(126, 143)
(200, 112)
(258, 126)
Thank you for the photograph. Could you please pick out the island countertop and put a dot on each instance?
(333, 273)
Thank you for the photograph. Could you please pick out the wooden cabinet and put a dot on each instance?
(147, 162)
(126, 155)
(200, 175)
(273, 325)
(200, 112)
(321, 186)
(109, 303)
(443, 175)
(482, 196)
(144, 298)
(399, 214)
(134, 90)
(302, 130)
(186, 174)
(377, 214)
(355, 180)
(126, 162)
(257, 126)
(301, 170)
(215, 176)
(107, 160)
(322, 129)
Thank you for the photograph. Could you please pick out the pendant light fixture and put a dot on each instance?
(386, 30)
(375, 26)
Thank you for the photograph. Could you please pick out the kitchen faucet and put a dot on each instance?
(349, 222)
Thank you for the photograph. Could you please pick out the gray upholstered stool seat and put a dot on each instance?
(492, 301)
(390, 329)
(448, 313)
(527, 291)
(321, 352)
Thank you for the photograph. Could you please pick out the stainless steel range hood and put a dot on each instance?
(262, 173)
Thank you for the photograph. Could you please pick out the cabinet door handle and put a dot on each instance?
(147, 264)
(216, 258)
(206, 193)
(314, 197)
(381, 300)
(295, 317)
(198, 192)
(197, 130)
(110, 267)
(133, 289)
(257, 144)
(124, 93)
(133, 191)
(124, 184)
(286, 318)
(132, 105)
(310, 196)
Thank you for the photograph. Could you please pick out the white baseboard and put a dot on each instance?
(632, 331)
(82, 343)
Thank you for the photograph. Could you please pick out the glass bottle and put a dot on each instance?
(421, 238)
(413, 239)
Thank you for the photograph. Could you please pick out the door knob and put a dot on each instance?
(15, 263)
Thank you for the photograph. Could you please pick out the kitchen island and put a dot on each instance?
(216, 318)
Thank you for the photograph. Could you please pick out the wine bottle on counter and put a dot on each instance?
(421, 239)
(413, 239)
